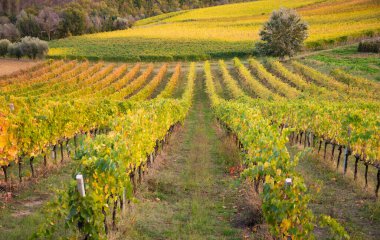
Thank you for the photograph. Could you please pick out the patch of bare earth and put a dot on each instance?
(9, 66)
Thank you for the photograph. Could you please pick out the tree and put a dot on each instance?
(73, 21)
(9, 31)
(48, 21)
(14, 50)
(4, 43)
(121, 23)
(27, 24)
(283, 34)
(33, 47)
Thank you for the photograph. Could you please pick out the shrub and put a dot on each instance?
(27, 24)
(34, 47)
(372, 45)
(4, 44)
(73, 21)
(283, 34)
(121, 23)
(15, 50)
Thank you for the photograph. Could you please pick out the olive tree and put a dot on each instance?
(15, 50)
(4, 44)
(283, 34)
(33, 47)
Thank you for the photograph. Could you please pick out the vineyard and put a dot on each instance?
(112, 121)
(222, 31)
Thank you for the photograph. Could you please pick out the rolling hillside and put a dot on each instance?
(222, 31)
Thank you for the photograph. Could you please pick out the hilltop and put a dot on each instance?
(222, 31)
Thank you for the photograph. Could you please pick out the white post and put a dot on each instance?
(124, 199)
(288, 181)
(80, 185)
(12, 107)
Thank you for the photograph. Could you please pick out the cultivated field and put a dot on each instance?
(174, 129)
(76, 109)
(222, 31)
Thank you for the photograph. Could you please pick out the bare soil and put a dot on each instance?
(9, 66)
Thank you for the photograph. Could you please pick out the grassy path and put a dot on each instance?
(189, 195)
(340, 197)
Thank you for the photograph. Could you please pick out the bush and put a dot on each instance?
(33, 47)
(372, 45)
(121, 24)
(27, 24)
(14, 50)
(4, 44)
(283, 34)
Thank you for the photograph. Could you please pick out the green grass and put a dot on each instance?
(20, 218)
(146, 49)
(349, 59)
(340, 196)
(189, 195)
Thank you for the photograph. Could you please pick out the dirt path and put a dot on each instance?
(8, 66)
(189, 195)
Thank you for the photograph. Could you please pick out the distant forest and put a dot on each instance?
(122, 8)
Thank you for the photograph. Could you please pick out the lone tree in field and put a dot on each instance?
(283, 34)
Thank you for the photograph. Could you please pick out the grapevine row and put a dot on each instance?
(266, 160)
(273, 81)
(110, 164)
(147, 91)
(167, 92)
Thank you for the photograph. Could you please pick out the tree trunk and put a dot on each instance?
(305, 140)
(5, 173)
(366, 175)
(378, 183)
(75, 142)
(61, 145)
(140, 174)
(340, 153)
(133, 180)
(20, 168)
(55, 153)
(333, 150)
(114, 214)
(320, 145)
(356, 167)
(45, 159)
(31, 165)
(346, 155)
(105, 220)
(68, 148)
